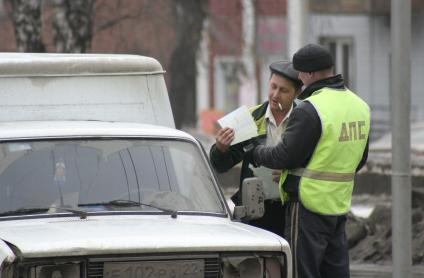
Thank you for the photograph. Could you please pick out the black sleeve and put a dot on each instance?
(364, 157)
(222, 162)
(298, 141)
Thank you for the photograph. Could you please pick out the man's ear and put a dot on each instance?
(298, 91)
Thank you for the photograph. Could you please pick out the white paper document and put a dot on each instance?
(269, 186)
(242, 122)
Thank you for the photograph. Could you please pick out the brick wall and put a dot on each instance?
(141, 27)
(225, 27)
(271, 7)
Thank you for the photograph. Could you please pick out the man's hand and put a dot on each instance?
(249, 149)
(224, 137)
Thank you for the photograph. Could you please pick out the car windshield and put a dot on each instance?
(105, 175)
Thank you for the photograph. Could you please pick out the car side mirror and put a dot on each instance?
(253, 198)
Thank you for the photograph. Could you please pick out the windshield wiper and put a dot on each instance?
(130, 203)
(23, 211)
(82, 214)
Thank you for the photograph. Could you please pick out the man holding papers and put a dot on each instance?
(266, 122)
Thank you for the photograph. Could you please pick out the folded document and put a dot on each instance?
(242, 122)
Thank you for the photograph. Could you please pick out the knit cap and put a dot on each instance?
(311, 58)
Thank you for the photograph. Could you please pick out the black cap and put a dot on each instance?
(312, 57)
(285, 68)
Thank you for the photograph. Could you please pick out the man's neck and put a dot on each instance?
(279, 115)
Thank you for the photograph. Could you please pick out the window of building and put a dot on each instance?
(232, 86)
(228, 72)
(342, 49)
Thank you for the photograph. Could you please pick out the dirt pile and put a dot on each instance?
(370, 239)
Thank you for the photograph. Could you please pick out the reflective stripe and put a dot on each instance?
(324, 176)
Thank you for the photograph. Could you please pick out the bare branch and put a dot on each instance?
(114, 21)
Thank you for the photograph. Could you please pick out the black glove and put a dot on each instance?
(249, 148)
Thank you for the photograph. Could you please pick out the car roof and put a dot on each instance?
(75, 129)
(53, 64)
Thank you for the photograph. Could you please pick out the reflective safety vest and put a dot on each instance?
(258, 114)
(326, 184)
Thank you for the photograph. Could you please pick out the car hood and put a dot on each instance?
(134, 234)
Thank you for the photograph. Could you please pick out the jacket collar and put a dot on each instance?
(334, 82)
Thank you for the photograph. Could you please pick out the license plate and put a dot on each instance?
(155, 269)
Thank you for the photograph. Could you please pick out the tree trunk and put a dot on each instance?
(26, 18)
(189, 17)
(73, 25)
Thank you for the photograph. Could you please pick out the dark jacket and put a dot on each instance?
(300, 138)
(222, 162)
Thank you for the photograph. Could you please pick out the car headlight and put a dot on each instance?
(70, 270)
(252, 267)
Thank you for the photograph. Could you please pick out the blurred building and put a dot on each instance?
(242, 37)
(357, 32)
(233, 70)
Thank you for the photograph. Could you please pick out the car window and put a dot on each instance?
(90, 173)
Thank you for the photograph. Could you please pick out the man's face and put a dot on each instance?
(281, 90)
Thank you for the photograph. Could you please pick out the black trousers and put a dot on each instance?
(273, 219)
(318, 243)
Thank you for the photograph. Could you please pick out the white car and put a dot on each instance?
(87, 189)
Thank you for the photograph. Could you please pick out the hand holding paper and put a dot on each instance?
(242, 122)
(224, 137)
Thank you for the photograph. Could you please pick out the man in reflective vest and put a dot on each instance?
(324, 145)
(271, 120)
